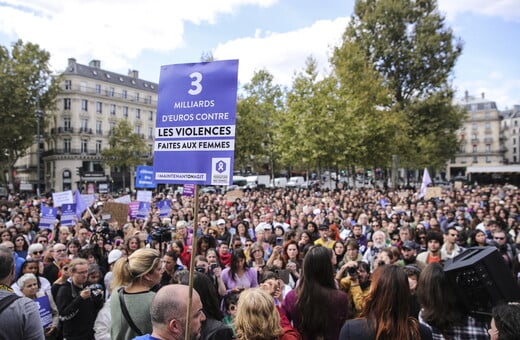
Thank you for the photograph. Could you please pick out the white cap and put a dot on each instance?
(114, 255)
(221, 221)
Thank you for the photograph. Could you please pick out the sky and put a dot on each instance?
(275, 35)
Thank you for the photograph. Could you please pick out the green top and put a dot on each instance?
(138, 305)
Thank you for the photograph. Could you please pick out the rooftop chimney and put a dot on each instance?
(72, 61)
(95, 63)
(133, 74)
(482, 95)
(466, 95)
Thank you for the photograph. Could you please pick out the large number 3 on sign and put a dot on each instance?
(197, 78)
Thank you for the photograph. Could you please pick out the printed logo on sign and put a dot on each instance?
(221, 166)
(220, 174)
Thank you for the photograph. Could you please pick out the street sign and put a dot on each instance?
(195, 126)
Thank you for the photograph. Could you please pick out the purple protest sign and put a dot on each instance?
(188, 190)
(195, 125)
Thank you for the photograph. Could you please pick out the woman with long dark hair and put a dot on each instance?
(212, 327)
(442, 310)
(239, 275)
(316, 307)
(21, 246)
(385, 314)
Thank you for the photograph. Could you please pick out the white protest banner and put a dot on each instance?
(144, 196)
(62, 197)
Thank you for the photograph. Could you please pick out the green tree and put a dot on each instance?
(369, 120)
(307, 133)
(26, 85)
(126, 151)
(257, 111)
(409, 45)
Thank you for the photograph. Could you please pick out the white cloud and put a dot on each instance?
(282, 54)
(114, 31)
(506, 9)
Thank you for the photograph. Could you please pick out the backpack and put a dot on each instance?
(7, 301)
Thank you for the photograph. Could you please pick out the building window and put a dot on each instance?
(66, 103)
(84, 125)
(137, 96)
(99, 130)
(113, 109)
(68, 84)
(99, 107)
(111, 127)
(124, 94)
(66, 145)
(475, 159)
(474, 148)
(138, 113)
(66, 124)
(474, 126)
(148, 100)
(516, 123)
(488, 159)
(487, 115)
(112, 92)
(98, 146)
(83, 86)
(98, 89)
(488, 125)
(488, 148)
(150, 116)
(514, 150)
(84, 144)
(125, 111)
(84, 105)
(150, 133)
(137, 129)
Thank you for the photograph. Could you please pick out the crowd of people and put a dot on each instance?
(268, 264)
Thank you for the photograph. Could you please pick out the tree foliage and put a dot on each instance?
(126, 149)
(257, 113)
(26, 85)
(409, 45)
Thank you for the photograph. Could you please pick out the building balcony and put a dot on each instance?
(62, 129)
(61, 151)
(85, 131)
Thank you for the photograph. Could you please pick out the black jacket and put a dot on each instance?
(77, 314)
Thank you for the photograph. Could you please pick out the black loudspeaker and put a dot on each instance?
(482, 279)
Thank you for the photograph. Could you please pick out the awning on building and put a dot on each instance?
(493, 169)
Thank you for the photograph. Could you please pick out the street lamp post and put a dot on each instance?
(39, 115)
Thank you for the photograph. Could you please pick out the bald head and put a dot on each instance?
(168, 311)
(171, 302)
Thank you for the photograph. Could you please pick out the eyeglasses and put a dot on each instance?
(204, 221)
(249, 244)
(37, 252)
(499, 238)
(454, 235)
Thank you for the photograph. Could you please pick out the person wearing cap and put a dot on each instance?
(324, 239)
(113, 256)
(225, 235)
(409, 255)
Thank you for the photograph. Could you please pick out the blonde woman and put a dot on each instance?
(257, 317)
(133, 279)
